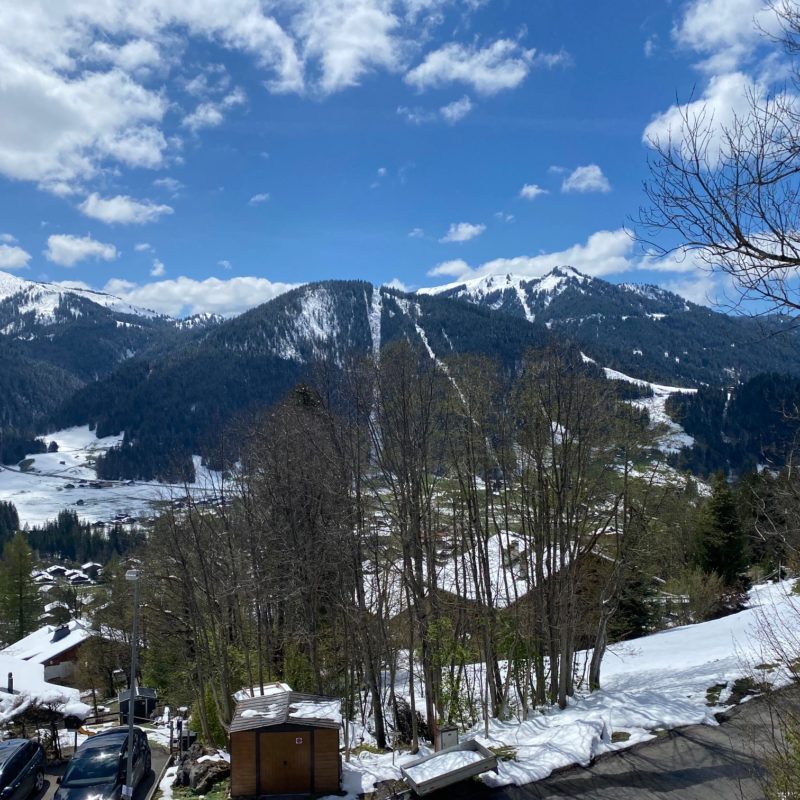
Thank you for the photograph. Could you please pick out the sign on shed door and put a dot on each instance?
(285, 762)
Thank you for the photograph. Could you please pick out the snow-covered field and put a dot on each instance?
(656, 682)
(44, 489)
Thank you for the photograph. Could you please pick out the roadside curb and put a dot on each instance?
(159, 778)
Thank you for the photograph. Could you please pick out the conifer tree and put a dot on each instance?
(721, 546)
(20, 605)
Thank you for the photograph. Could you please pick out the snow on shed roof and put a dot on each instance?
(282, 708)
(48, 642)
(30, 688)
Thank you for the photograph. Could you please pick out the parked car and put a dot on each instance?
(98, 768)
(21, 768)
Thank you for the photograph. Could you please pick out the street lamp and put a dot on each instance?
(133, 576)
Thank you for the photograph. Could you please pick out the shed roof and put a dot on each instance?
(292, 708)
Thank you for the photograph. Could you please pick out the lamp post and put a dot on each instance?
(133, 576)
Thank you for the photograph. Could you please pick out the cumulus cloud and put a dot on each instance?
(396, 283)
(67, 250)
(186, 296)
(501, 65)
(158, 268)
(530, 191)
(457, 110)
(142, 247)
(725, 98)
(586, 179)
(212, 113)
(724, 32)
(258, 199)
(462, 232)
(349, 38)
(13, 257)
(122, 209)
(603, 253)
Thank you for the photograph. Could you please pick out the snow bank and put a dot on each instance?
(655, 682)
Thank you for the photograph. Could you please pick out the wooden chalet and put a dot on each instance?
(285, 743)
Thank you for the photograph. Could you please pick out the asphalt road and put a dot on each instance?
(143, 790)
(694, 763)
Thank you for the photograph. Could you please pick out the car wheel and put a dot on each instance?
(38, 782)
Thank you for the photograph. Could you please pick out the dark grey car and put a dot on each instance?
(21, 768)
(98, 768)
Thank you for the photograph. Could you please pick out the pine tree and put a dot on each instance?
(721, 546)
(20, 604)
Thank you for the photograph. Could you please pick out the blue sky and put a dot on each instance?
(205, 156)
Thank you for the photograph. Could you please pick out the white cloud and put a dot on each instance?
(603, 253)
(158, 268)
(258, 199)
(142, 247)
(703, 288)
(455, 268)
(13, 257)
(7, 238)
(224, 263)
(651, 45)
(725, 98)
(189, 296)
(501, 65)
(381, 172)
(504, 216)
(396, 283)
(530, 191)
(212, 113)
(122, 209)
(725, 32)
(68, 250)
(586, 179)
(457, 110)
(416, 115)
(171, 185)
(462, 232)
(74, 93)
(349, 38)
(416, 233)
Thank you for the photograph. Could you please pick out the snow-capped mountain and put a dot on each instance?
(45, 300)
(641, 330)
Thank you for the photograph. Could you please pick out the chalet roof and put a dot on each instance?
(48, 642)
(292, 708)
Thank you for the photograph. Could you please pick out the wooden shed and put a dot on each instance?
(285, 743)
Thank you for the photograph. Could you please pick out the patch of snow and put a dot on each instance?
(442, 764)
(674, 438)
(42, 491)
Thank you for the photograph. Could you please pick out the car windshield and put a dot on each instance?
(96, 765)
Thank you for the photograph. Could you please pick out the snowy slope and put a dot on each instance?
(42, 299)
(55, 481)
(653, 683)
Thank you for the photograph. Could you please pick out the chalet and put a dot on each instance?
(54, 647)
(285, 742)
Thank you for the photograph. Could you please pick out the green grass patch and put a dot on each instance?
(713, 693)
(26, 464)
(505, 753)
(620, 736)
(744, 687)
